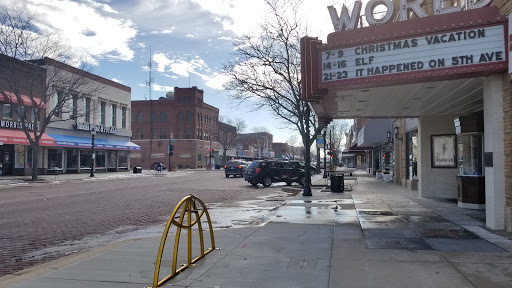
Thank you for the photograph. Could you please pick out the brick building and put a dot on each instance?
(258, 144)
(184, 115)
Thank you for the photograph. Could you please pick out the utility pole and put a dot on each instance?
(325, 148)
(169, 150)
(149, 83)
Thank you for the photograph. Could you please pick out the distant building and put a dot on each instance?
(257, 145)
(183, 116)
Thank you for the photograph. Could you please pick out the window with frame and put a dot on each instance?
(154, 117)
(180, 133)
(140, 134)
(140, 117)
(154, 133)
(34, 115)
(189, 116)
(163, 133)
(6, 110)
(113, 113)
(88, 110)
(103, 112)
(163, 117)
(180, 116)
(74, 107)
(58, 105)
(21, 112)
(123, 117)
(199, 157)
(188, 133)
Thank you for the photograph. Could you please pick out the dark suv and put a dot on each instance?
(267, 172)
(302, 165)
(235, 167)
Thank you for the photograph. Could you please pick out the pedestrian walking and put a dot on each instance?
(159, 168)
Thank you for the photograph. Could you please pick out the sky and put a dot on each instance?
(190, 40)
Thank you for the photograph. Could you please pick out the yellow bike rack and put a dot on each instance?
(189, 206)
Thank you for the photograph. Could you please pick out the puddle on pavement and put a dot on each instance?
(363, 212)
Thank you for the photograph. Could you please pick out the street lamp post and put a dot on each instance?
(93, 158)
(325, 160)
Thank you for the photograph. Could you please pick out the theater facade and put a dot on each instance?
(440, 71)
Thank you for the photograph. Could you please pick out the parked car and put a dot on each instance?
(267, 172)
(154, 164)
(235, 167)
(302, 165)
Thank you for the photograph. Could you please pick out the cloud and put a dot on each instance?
(187, 17)
(118, 81)
(167, 31)
(180, 66)
(158, 87)
(93, 30)
(216, 81)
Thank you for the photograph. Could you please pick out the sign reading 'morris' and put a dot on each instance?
(344, 21)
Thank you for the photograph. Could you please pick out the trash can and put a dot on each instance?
(337, 183)
(137, 169)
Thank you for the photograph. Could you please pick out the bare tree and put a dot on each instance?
(261, 139)
(292, 141)
(229, 133)
(267, 68)
(36, 88)
(336, 131)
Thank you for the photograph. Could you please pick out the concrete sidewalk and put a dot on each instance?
(377, 235)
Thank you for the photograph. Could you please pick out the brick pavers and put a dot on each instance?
(36, 217)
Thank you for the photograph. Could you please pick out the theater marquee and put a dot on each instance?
(430, 52)
(465, 44)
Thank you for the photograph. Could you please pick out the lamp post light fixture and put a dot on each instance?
(396, 133)
(93, 158)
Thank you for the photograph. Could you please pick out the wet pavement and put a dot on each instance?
(376, 235)
(391, 217)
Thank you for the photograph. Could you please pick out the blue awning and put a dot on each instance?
(81, 142)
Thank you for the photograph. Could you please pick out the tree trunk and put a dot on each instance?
(318, 160)
(35, 160)
(224, 152)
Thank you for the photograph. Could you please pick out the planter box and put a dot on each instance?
(387, 177)
(379, 175)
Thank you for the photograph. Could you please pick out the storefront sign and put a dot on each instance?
(17, 125)
(430, 52)
(344, 21)
(97, 128)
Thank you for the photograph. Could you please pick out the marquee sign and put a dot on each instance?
(436, 51)
(465, 44)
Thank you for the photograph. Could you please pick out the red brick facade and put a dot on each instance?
(192, 123)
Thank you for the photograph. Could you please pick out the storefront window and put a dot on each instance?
(54, 159)
(85, 159)
(19, 156)
(6, 110)
(111, 159)
(123, 159)
(72, 159)
(100, 159)
(470, 154)
(412, 155)
(29, 157)
(199, 157)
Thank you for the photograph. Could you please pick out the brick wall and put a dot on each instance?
(505, 7)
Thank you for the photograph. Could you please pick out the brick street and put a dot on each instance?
(39, 216)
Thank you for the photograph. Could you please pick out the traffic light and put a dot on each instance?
(171, 148)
